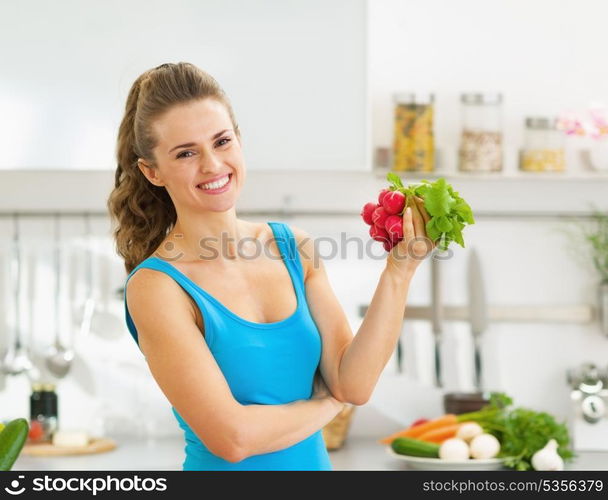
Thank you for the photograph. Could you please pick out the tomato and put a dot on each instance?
(36, 430)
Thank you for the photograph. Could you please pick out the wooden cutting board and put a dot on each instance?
(96, 445)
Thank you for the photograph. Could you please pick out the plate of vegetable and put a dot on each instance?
(430, 463)
(494, 437)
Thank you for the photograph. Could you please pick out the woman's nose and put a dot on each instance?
(210, 162)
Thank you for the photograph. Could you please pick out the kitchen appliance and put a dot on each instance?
(588, 422)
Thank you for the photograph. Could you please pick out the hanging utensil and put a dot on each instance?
(105, 323)
(436, 316)
(34, 373)
(59, 359)
(478, 312)
(85, 313)
(17, 359)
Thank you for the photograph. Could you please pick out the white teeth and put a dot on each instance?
(217, 184)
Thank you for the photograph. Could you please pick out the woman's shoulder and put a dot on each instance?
(148, 288)
(305, 244)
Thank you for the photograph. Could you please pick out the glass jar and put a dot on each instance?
(481, 137)
(43, 412)
(543, 149)
(413, 144)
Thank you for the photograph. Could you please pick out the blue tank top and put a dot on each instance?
(263, 363)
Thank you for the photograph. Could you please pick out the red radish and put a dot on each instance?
(379, 217)
(419, 421)
(388, 245)
(367, 212)
(378, 233)
(393, 202)
(382, 194)
(394, 226)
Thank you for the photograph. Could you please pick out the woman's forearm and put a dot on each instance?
(373, 345)
(268, 428)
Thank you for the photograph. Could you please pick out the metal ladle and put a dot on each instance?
(60, 358)
(17, 359)
(85, 314)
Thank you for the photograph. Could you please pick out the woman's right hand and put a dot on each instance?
(321, 391)
(415, 246)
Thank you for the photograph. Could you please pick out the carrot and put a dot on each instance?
(417, 430)
(440, 434)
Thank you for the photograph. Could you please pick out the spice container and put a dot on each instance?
(43, 412)
(413, 144)
(481, 137)
(543, 149)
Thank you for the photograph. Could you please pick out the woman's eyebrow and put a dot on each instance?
(190, 144)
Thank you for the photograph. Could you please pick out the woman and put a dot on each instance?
(234, 337)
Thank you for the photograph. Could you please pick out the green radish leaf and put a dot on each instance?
(443, 224)
(457, 232)
(395, 179)
(438, 200)
(432, 230)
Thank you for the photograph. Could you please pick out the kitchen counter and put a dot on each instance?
(358, 453)
(361, 451)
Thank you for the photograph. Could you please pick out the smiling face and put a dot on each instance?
(197, 145)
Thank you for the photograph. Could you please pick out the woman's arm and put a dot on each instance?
(351, 365)
(188, 375)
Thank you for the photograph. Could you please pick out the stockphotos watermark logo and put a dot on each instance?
(15, 487)
(92, 485)
(315, 249)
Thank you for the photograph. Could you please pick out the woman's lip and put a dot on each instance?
(217, 190)
(217, 178)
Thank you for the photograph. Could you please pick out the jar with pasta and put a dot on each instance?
(481, 140)
(543, 149)
(413, 142)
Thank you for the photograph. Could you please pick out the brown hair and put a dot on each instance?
(145, 213)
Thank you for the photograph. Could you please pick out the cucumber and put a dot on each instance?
(12, 439)
(415, 447)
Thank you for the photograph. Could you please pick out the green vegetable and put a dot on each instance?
(415, 447)
(521, 431)
(12, 439)
(449, 212)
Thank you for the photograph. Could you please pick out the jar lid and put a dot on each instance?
(481, 98)
(48, 387)
(541, 123)
(414, 97)
(37, 387)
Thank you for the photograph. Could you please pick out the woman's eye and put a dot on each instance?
(219, 143)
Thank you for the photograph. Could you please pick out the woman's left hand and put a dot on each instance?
(406, 256)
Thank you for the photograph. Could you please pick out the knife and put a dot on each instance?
(478, 312)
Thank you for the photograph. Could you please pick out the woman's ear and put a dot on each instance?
(150, 172)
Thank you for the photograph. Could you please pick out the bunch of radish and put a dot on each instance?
(447, 212)
(385, 218)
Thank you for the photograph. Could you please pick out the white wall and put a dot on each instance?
(294, 71)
